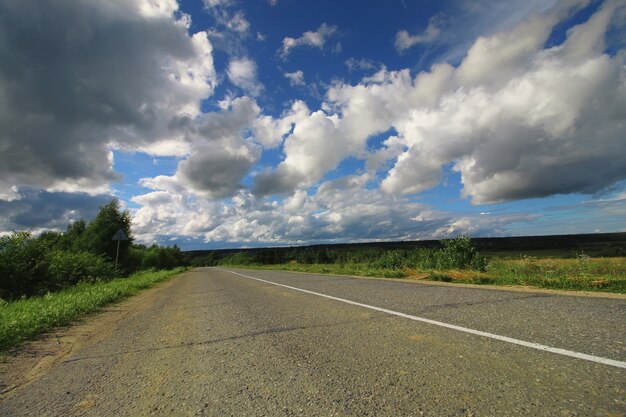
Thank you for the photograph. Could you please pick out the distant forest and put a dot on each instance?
(562, 246)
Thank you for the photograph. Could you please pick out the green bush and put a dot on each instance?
(23, 267)
(394, 259)
(70, 268)
(424, 258)
(458, 253)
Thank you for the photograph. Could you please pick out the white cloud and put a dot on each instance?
(295, 78)
(362, 64)
(314, 147)
(242, 72)
(316, 39)
(341, 210)
(238, 23)
(8, 192)
(270, 132)
(155, 8)
(217, 3)
(507, 119)
(404, 40)
(494, 60)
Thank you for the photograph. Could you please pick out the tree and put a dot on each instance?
(97, 237)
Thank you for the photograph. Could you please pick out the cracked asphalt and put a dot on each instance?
(211, 343)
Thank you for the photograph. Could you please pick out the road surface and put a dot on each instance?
(217, 342)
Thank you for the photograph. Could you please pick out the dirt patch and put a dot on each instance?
(28, 363)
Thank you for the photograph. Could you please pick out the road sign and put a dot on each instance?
(120, 235)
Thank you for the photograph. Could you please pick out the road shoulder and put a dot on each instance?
(29, 362)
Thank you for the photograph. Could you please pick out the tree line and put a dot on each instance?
(85, 252)
(456, 253)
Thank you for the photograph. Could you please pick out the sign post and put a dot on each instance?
(119, 236)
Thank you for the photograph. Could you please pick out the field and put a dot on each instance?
(585, 274)
(577, 262)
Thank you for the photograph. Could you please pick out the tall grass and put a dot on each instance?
(23, 319)
(582, 273)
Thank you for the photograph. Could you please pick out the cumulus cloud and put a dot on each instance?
(340, 210)
(86, 76)
(270, 131)
(214, 171)
(404, 40)
(508, 119)
(314, 147)
(242, 72)
(295, 78)
(312, 39)
(221, 155)
(529, 134)
(38, 210)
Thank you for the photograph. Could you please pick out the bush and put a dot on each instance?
(23, 268)
(70, 268)
(458, 253)
(424, 258)
(390, 260)
(28, 267)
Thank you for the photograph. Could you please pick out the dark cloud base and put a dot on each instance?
(49, 210)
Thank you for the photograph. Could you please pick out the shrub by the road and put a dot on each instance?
(70, 268)
(458, 253)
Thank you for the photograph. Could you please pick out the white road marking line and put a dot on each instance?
(532, 345)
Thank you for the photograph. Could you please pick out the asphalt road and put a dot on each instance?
(215, 343)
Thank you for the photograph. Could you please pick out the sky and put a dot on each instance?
(232, 123)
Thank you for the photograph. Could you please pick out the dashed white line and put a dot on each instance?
(532, 345)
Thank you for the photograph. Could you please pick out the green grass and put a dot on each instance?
(23, 319)
(579, 274)
(358, 269)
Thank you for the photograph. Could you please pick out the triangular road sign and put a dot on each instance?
(120, 235)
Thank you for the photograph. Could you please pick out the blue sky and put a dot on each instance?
(227, 123)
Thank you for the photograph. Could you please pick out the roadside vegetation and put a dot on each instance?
(25, 318)
(51, 279)
(85, 252)
(450, 260)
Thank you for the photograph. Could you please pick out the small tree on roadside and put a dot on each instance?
(97, 236)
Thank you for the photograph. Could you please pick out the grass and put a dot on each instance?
(358, 269)
(581, 274)
(23, 319)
